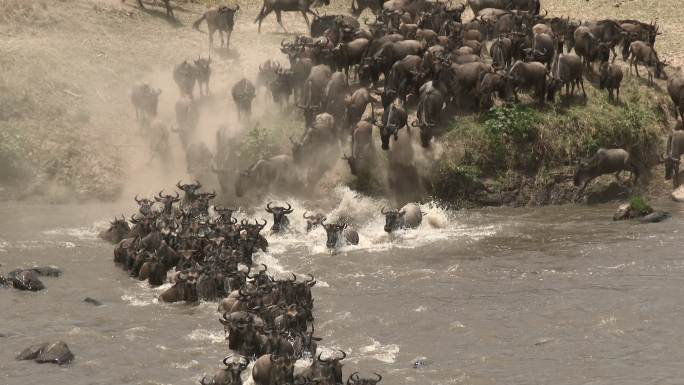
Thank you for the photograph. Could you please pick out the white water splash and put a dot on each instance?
(82, 233)
(384, 353)
(206, 335)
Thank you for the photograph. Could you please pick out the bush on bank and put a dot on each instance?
(522, 144)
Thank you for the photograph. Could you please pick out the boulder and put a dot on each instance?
(92, 301)
(678, 194)
(25, 280)
(638, 209)
(47, 271)
(55, 353)
(49, 352)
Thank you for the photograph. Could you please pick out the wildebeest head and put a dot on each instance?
(354, 379)
(190, 190)
(309, 343)
(313, 221)
(230, 375)
(331, 368)
(333, 232)
(268, 72)
(118, 230)
(203, 67)
(226, 215)
(280, 221)
(393, 219)
(145, 205)
(167, 201)
(282, 369)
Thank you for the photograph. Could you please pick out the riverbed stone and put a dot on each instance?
(32, 352)
(56, 353)
(678, 194)
(47, 271)
(25, 280)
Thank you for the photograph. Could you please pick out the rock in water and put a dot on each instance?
(25, 280)
(655, 217)
(678, 194)
(92, 301)
(32, 352)
(623, 212)
(55, 353)
(47, 271)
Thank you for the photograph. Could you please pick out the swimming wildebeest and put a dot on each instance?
(675, 149)
(145, 100)
(354, 379)
(605, 161)
(408, 217)
(230, 375)
(280, 221)
(333, 232)
(280, 6)
(221, 19)
(313, 221)
(271, 369)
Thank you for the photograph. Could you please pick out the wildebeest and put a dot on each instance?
(280, 221)
(586, 45)
(145, 100)
(675, 87)
(326, 369)
(280, 6)
(314, 91)
(500, 51)
(528, 76)
(357, 103)
(230, 375)
(408, 217)
(428, 116)
(361, 148)
(350, 54)
(268, 73)
(278, 171)
(394, 118)
(334, 231)
(605, 161)
(203, 73)
(221, 19)
(336, 92)
(243, 93)
(672, 157)
(610, 78)
(270, 369)
(313, 220)
(117, 231)
(167, 4)
(642, 53)
(184, 289)
(187, 116)
(185, 76)
(569, 73)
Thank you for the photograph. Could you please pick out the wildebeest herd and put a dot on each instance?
(207, 254)
(414, 57)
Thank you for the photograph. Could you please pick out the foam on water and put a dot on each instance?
(364, 215)
(206, 335)
(83, 233)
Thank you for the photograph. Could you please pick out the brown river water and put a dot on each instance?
(555, 295)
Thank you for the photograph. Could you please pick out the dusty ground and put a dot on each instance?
(67, 68)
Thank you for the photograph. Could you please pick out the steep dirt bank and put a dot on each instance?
(67, 127)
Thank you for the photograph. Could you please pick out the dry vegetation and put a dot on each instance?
(66, 124)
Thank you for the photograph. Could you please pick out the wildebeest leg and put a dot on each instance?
(141, 4)
(612, 49)
(211, 38)
(221, 36)
(169, 10)
(262, 15)
(636, 67)
(279, 19)
(228, 33)
(581, 83)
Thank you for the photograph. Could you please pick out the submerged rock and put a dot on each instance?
(638, 209)
(47, 271)
(678, 194)
(25, 280)
(50, 352)
(92, 301)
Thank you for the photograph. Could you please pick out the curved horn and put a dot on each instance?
(282, 43)
(383, 211)
(268, 207)
(344, 355)
(180, 187)
(136, 199)
(320, 359)
(225, 361)
(202, 381)
(289, 208)
(310, 280)
(379, 377)
(265, 268)
(294, 277)
(305, 216)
